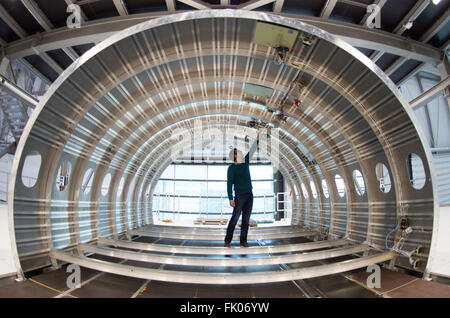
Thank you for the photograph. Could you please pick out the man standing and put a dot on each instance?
(239, 175)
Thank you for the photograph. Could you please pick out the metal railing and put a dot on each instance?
(169, 206)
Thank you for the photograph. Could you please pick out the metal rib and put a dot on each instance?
(223, 278)
(290, 248)
(205, 261)
(200, 228)
(220, 237)
(219, 230)
(355, 120)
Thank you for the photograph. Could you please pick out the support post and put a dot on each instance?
(444, 70)
(279, 188)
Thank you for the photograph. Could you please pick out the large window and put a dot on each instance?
(188, 191)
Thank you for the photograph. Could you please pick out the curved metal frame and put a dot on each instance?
(376, 126)
(224, 278)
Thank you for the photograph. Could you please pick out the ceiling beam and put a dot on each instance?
(170, 5)
(328, 8)
(71, 53)
(37, 13)
(51, 62)
(414, 13)
(436, 27)
(278, 6)
(425, 38)
(379, 3)
(378, 40)
(411, 16)
(121, 7)
(375, 56)
(198, 4)
(253, 4)
(83, 2)
(40, 17)
(97, 30)
(430, 94)
(429, 125)
(83, 15)
(9, 20)
(444, 71)
(396, 65)
(354, 3)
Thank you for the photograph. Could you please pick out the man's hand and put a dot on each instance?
(232, 203)
(259, 135)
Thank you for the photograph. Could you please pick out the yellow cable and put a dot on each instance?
(51, 288)
(403, 285)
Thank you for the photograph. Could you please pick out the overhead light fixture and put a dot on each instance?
(436, 1)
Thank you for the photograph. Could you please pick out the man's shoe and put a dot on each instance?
(226, 245)
(245, 245)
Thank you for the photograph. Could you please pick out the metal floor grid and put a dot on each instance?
(257, 264)
(105, 285)
(98, 284)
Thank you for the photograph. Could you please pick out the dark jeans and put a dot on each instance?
(243, 202)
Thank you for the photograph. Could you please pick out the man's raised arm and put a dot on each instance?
(252, 150)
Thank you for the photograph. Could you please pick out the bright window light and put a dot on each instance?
(436, 1)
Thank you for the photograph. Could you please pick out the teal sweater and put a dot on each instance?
(239, 175)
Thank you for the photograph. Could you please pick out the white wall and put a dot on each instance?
(7, 267)
(5, 169)
(440, 264)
